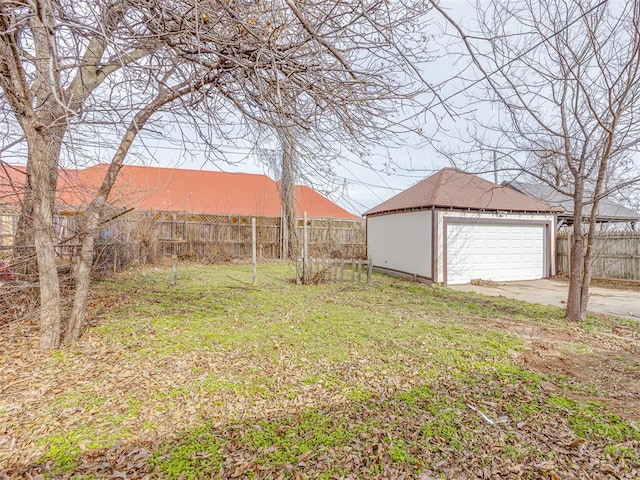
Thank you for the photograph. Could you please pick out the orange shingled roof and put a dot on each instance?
(452, 188)
(12, 178)
(194, 191)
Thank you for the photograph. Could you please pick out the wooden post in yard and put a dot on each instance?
(254, 277)
(359, 271)
(568, 272)
(369, 270)
(174, 269)
(305, 250)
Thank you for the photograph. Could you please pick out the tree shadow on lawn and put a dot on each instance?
(499, 421)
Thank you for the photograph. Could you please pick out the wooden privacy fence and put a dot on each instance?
(215, 237)
(149, 236)
(8, 226)
(223, 237)
(616, 255)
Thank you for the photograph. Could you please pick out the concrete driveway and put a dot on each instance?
(618, 303)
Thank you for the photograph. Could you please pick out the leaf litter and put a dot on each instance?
(120, 414)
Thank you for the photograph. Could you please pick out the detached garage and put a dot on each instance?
(454, 227)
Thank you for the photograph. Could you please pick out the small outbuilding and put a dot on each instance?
(453, 227)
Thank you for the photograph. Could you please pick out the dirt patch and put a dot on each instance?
(615, 382)
(602, 367)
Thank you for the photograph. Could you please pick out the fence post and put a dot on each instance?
(239, 249)
(305, 251)
(331, 232)
(359, 271)
(568, 272)
(186, 232)
(369, 270)
(283, 237)
(254, 278)
(174, 269)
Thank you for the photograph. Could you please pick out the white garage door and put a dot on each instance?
(497, 252)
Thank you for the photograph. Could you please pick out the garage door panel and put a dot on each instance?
(495, 252)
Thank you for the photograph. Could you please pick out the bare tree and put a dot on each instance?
(287, 193)
(565, 79)
(303, 158)
(106, 68)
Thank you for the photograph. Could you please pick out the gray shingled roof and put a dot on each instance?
(452, 188)
(608, 210)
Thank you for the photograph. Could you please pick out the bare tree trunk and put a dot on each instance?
(24, 231)
(23, 259)
(575, 311)
(587, 267)
(82, 270)
(287, 195)
(586, 281)
(43, 235)
(82, 278)
(574, 299)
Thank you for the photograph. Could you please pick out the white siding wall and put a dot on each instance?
(401, 242)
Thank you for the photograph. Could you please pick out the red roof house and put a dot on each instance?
(175, 190)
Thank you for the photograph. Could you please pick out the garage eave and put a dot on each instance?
(460, 209)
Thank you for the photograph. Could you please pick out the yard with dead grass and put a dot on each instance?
(213, 378)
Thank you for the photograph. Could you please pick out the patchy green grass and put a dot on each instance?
(283, 440)
(592, 419)
(218, 378)
(195, 456)
(64, 448)
(400, 452)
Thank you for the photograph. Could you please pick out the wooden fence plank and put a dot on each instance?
(616, 255)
